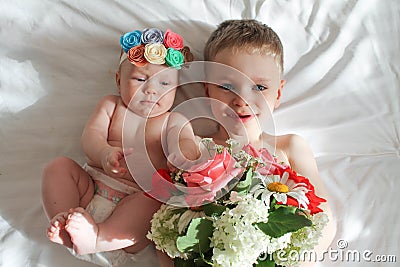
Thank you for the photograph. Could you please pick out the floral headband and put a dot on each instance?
(155, 47)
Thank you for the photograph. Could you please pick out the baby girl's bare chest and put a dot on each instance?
(125, 128)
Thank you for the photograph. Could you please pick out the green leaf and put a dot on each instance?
(282, 221)
(243, 186)
(197, 238)
(213, 209)
(178, 262)
(290, 209)
(198, 262)
(201, 262)
(206, 257)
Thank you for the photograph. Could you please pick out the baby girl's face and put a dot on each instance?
(147, 91)
(248, 92)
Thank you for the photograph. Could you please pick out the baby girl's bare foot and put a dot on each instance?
(83, 231)
(56, 231)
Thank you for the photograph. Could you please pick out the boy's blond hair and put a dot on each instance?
(248, 34)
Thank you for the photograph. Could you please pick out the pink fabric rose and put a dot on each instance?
(173, 40)
(206, 179)
(271, 163)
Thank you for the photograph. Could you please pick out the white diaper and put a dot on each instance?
(105, 200)
(100, 207)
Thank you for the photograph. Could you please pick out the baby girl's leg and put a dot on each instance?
(137, 213)
(56, 232)
(83, 231)
(65, 185)
(125, 228)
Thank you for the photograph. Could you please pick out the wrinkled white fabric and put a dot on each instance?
(58, 58)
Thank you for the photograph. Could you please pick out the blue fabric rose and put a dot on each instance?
(152, 36)
(130, 39)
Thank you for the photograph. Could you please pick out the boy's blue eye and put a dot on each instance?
(140, 79)
(164, 83)
(226, 86)
(259, 87)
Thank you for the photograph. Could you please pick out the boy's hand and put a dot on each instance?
(110, 161)
(177, 161)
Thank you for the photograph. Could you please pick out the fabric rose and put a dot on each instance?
(130, 39)
(162, 186)
(152, 36)
(206, 179)
(314, 200)
(136, 55)
(173, 40)
(187, 54)
(271, 163)
(155, 53)
(174, 58)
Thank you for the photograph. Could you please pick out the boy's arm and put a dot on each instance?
(181, 142)
(301, 159)
(94, 139)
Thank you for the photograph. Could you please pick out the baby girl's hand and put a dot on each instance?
(110, 161)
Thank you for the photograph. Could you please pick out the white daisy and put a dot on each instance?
(280, 188)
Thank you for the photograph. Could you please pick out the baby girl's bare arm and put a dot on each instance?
(95, 136)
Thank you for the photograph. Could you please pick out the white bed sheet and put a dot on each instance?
(58, 58)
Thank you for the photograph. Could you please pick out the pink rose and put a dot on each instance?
(206, 179)
(173, 40)
(271, 163)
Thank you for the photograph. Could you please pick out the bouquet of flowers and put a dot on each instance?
(241, 208)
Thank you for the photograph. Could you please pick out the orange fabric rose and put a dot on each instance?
(136, 55)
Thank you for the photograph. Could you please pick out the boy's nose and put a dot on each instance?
(238, 100)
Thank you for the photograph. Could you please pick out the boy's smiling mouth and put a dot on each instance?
(241, 117)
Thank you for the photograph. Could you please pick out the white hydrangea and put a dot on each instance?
(301, 241)
(165, 230)
(307, 237)
(236, 241)
(279, 242)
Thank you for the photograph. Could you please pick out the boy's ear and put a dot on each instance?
(278, 98)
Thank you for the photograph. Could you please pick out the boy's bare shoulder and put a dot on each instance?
(291, 145)
(289, 142)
